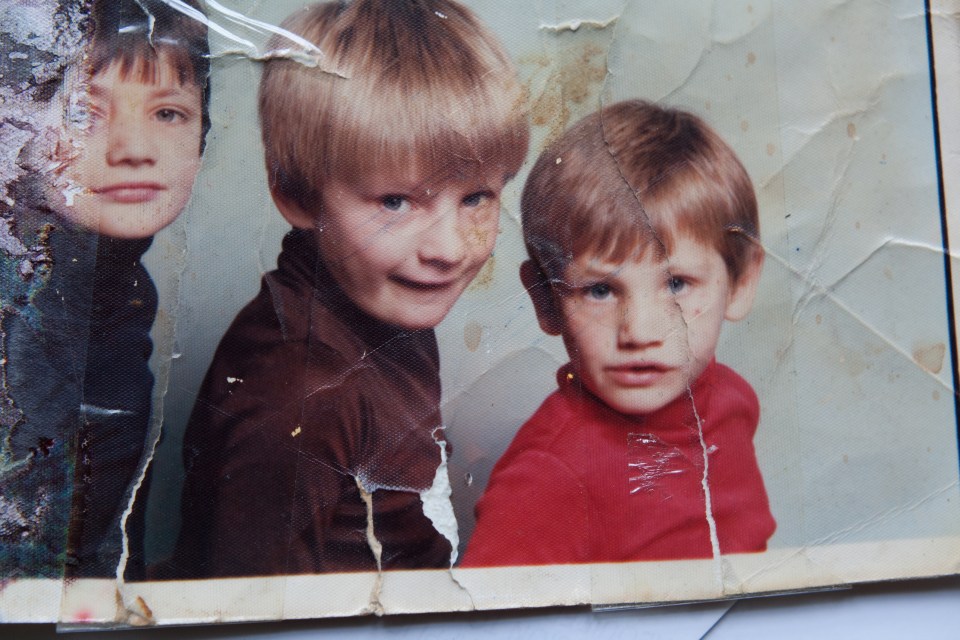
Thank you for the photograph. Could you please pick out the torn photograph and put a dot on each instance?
(397, 306)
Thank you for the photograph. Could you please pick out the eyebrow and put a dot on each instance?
(97, 91)
(422, 186)
(101, 91)
(597, 273)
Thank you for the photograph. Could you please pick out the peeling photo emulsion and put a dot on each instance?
(40, 42)
(105, 109)
(374, 307)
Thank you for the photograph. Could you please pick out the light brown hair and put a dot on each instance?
(427, 88)
(631, 176)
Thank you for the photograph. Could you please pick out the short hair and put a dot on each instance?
(136, 33)
(631, 176)
(427, 87)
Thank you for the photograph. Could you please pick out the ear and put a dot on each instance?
(740, 298)
(294, 213)
(541, 292)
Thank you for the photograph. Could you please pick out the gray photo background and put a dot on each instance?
(828, 107)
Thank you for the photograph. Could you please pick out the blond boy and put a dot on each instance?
(318, 426)
(643, 232)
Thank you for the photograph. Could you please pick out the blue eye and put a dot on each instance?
(394, 203)
(476, 199)
(599, 291)
(676, 284)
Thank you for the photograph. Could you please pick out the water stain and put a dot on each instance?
(484, 279)
(472, 334)
(574, 82)
(930, 356)
(479, 235)
(751, 58)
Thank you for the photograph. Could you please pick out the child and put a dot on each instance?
(317, 431)
(78, 348)
(642, 229)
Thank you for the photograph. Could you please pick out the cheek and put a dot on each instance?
(586, 337)
(187, 174)
(86, 159)
(480, 235)
(703, 337)
(372, 255)
(692, 314)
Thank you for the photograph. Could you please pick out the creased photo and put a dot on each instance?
(391, 306)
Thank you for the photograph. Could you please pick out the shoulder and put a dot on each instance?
(269, 374)
(544, 455)
(285, 331)
(730, 394)
(542, 432)
(534, 511)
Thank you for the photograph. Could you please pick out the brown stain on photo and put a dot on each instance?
(472, 334)
(484, 279)
(576, 78)
(930, 356)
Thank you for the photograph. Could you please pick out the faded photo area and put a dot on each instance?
(41, 387)
(476, 306)
(104, 110)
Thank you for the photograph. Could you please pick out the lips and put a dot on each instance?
(424, 285)
(638, 374)
(130, 192)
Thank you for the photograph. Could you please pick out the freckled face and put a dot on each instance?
(640, 332)
(405, 249)
(139, 154)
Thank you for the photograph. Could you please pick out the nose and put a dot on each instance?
(127, 142)
(644, 321)
(443, 242)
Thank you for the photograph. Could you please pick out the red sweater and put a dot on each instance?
(583, 483)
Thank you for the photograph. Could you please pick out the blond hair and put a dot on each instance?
(427, 88)
(631, 176)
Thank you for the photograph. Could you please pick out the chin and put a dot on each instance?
(637, 407)
(419, 323)
(411, 321)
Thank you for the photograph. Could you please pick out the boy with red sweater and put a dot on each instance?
(643, 231)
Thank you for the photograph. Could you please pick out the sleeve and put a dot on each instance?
(533, 512)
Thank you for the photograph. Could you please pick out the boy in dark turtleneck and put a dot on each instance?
(78, 345)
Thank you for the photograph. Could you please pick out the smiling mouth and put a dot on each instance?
(130, 192)
(419, 285)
